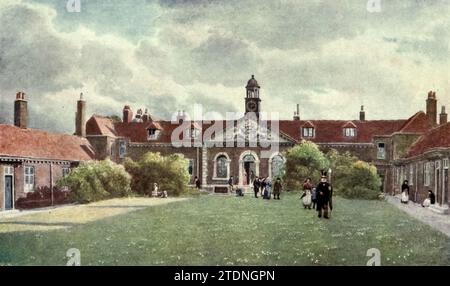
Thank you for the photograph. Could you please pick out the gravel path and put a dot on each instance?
(440, 222)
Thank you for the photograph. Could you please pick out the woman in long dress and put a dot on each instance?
(306, 196)
(405, 192)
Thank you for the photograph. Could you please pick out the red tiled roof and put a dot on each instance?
(438, 137)
(36, 144)
(100, 125)
(418, 123)
(331, 131)
(326, 131)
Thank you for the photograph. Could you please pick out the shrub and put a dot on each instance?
(303, 161)
(169, 172)
(42, 197)
(97, 180)
(362, 182)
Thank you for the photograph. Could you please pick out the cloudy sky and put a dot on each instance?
(328, 56)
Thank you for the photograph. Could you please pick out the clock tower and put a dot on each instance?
(252, 100)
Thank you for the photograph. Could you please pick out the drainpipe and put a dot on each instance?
(51, 182)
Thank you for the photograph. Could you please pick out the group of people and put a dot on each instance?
(430, 200)
(264, 186)
(156, 193)
(319, 198)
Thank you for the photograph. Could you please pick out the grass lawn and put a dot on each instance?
(213, 230)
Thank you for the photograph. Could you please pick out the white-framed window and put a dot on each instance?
(426, 174)
(381, 151)
(122, 149)
(152, 134)
(349, 132)
(29, 179)
(445, 163)
(9, 170)
(192, 133)
(308, 131)
(65, 171)
(437, 164)
(221, 166)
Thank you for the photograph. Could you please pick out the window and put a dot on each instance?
(152, 134)
(9, 170)
(29, 179)
(193, 133)
(426, 174)
(411, 174)
(65, 171)
(191, 166)
(349, 132)
(381, 154)
(122, 149)
(308, 131)
(277, 166)
(222, 167)
(445, 163)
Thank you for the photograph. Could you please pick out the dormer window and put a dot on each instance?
(308, 132)
(152, 134)
(349, 132)
(193, 133)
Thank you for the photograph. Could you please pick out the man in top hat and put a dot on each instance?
(324, 192)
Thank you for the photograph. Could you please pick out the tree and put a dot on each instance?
(97, 180)
(169, 172)
(302, 161)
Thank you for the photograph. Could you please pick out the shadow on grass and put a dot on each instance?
(63, 224)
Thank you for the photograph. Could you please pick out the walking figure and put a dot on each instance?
(324, 197)
(277, 188)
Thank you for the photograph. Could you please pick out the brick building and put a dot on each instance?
(416, 148)
(380, 142)
(32, 159)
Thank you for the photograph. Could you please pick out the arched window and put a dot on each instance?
(277, 166)
(222, 167)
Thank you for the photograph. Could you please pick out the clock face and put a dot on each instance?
(251, 106)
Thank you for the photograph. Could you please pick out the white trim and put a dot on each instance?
(215, 166)
(241, 163)
(25, 189)
(270, 161)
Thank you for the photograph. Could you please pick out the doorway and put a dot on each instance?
(249, 169)
(9, 197)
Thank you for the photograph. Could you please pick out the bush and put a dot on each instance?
(42, 197)
(362, 182)
(169, 172)
(97, 180)
(303, 161)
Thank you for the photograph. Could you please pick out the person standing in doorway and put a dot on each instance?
(197, 183)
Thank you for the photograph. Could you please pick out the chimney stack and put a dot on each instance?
(20, 110)
(442, 116)
(362, 114)
(127, 114)
(432, 107)
(145, 117)
(80, 117)
(297, 113)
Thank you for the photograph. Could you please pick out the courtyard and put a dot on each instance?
(220, 230)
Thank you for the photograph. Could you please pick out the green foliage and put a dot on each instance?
(97, 180)
(170, 172)
(303, 161)
(360, 181)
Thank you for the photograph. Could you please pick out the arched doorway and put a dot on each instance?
(248, 167)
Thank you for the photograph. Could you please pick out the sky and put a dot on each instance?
(330, 57)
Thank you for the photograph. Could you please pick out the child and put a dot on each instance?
(314, 198)
(306, 198)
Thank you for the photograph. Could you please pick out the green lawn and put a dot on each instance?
(213, 230)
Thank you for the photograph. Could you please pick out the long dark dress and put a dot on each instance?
(324, 193)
